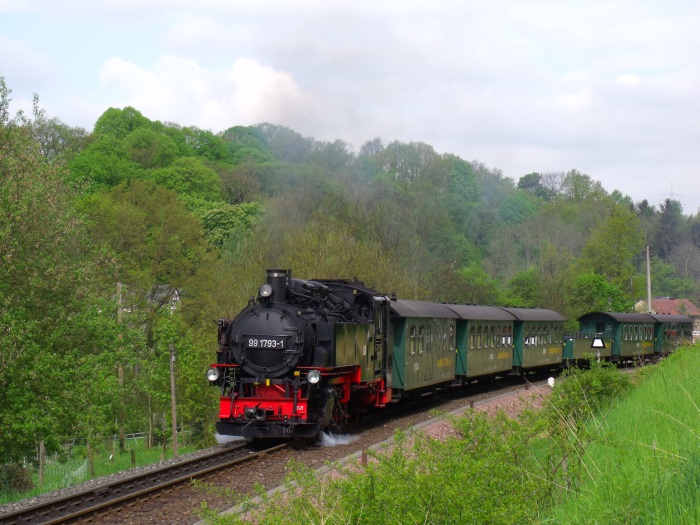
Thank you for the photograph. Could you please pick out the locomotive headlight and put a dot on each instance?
(213, 374)
(265, 290)
(313, 377)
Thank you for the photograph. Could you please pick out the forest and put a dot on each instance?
(123, 243)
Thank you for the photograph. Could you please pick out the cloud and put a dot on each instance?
(26, 69)
(180, 90)
(630, 79)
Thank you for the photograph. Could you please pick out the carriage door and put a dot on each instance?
(381, 333)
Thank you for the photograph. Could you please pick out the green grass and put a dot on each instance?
(644, 467)
(60, 474)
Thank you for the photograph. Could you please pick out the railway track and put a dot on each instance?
(89, 505)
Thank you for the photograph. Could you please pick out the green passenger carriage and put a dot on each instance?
(424, 343)
(537, 337)
(637, 335)
(484, 340)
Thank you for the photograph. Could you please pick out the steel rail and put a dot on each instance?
(99, 501)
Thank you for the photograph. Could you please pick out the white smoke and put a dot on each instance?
(328, 439)
(222, 440)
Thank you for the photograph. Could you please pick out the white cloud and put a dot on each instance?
(579, 100)
(178, 89)
(629, 79)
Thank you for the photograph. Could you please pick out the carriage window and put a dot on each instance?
(421, 336)
(624, 332)
(472, 337)
(478, 336)
(412, 340)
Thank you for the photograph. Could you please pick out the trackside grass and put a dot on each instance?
(64, 472)
(643, 466)
(601, 451)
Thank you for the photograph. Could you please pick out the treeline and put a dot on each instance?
(122, 242)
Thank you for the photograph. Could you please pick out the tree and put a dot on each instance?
(56, 140)
(591, 292)
(223, 221)
(473, 285)
(51, 314)
(579, 187)
(189, 176)
(285, 144)
(532, 182)
(119, 123)
(105, 163)
(516, 207)
(150, 149)
(668, 283)
(669, 227)
(205, 144)
(613, 246)
(158, 244)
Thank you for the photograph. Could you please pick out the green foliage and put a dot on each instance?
(205, 144)
(284, 144)
(56, 140)
(226, 221)
(104, 163)
(150, 149)
(119, 123)
(640, 465)
(585, 392)
(667, 283)
(473, 285)
(532, 182)
(670, 227)
(516, 207)
(578, 187)
(572, 415)
(613, 246)
(479, 477)
(524, 289)
(189, 176)
(591, 292)
(53, 314)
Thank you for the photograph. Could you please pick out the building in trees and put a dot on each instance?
(670, 306)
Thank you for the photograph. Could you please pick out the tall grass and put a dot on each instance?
(643, 466)
(63, 472)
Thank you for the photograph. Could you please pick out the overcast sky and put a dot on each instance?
(610, 88)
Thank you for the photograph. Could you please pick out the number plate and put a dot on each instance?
(265, 342)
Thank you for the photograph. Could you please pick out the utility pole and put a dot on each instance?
(120, 372)
(648, 282)
(173, 405)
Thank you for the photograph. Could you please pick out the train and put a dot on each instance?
(305, 356)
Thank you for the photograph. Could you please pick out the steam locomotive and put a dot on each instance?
(306, 355)
(303, 356)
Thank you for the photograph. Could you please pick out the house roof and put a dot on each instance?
(666, 305)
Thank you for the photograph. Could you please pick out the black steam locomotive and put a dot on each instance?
(302, 356)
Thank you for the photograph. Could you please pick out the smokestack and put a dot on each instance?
(278, 280)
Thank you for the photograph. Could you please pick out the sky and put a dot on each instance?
(610, 88)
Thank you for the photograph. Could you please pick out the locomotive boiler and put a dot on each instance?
(301, 357)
